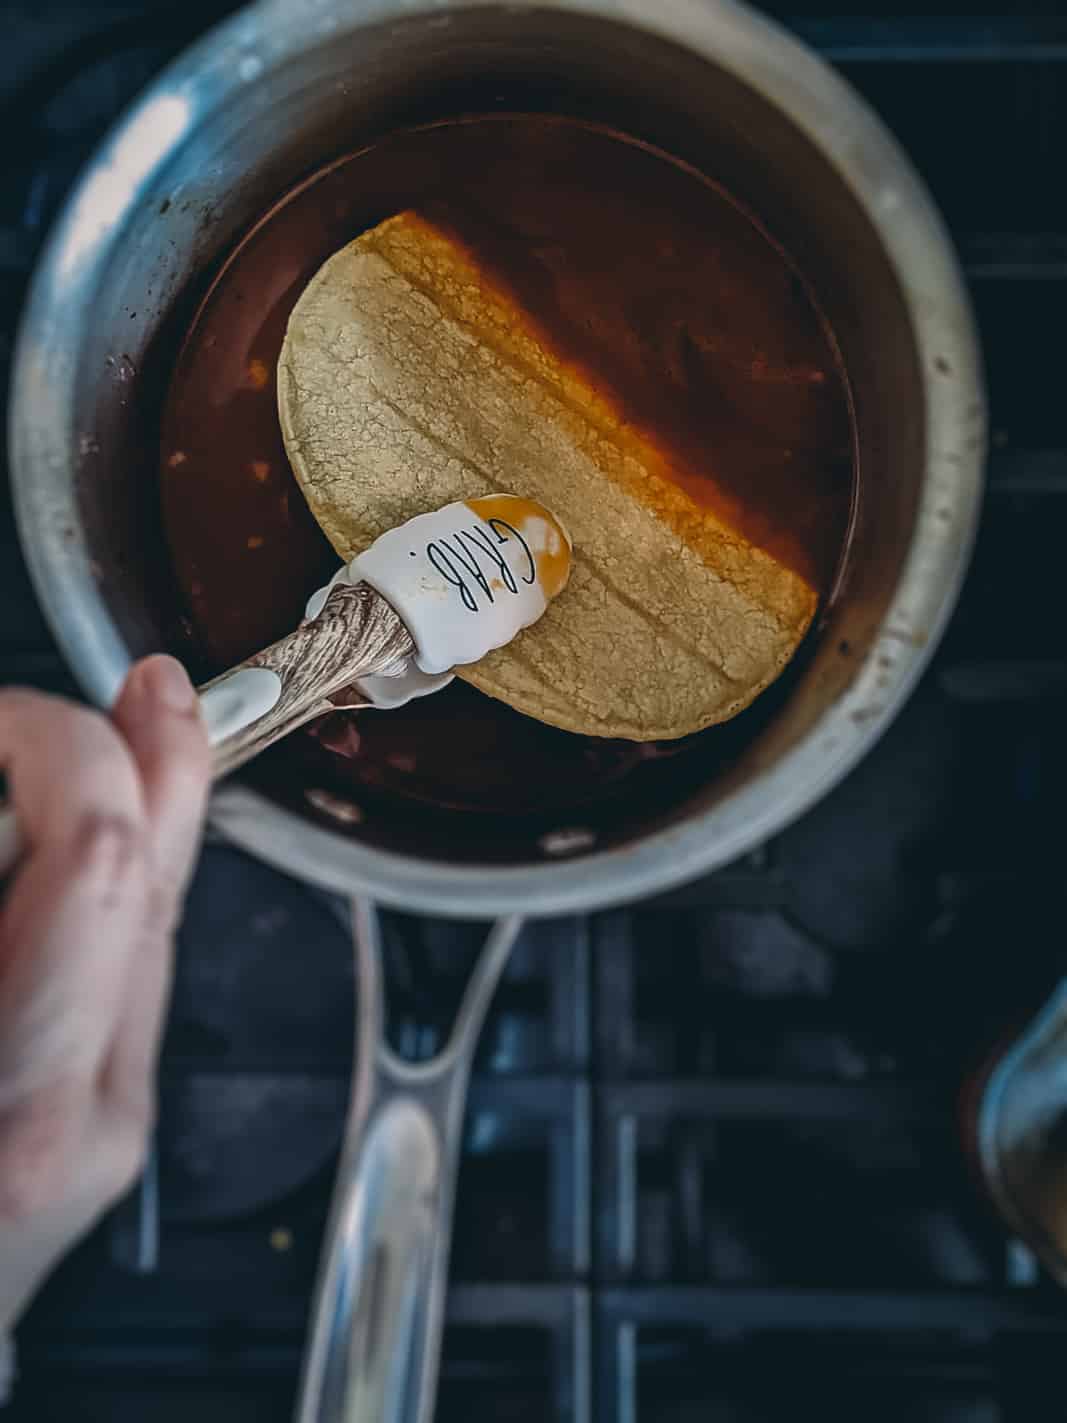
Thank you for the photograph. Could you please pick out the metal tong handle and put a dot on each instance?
(355, 634)
(373, 1351)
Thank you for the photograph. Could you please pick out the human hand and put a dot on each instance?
(110, 813)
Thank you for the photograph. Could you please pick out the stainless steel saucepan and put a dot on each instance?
(280, 89)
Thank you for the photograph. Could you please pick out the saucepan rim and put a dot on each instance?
(880, 177)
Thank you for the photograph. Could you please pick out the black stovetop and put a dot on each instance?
(713, 1168)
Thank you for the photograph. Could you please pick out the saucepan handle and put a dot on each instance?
(375, 1337)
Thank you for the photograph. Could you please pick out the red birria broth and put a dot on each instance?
(662, 291)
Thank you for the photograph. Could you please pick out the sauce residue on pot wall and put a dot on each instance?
(649, 279)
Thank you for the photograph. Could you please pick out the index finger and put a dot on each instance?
(158, 714)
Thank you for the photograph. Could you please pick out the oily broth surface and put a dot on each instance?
(651, 280)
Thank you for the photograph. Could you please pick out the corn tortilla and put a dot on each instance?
(408, 379)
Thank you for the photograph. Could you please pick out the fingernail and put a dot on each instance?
(166, 680)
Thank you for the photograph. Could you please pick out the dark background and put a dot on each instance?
(714, 1167)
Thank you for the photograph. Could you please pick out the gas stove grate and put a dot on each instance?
(713, 1167)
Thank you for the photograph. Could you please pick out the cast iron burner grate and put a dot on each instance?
(712, 1166)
